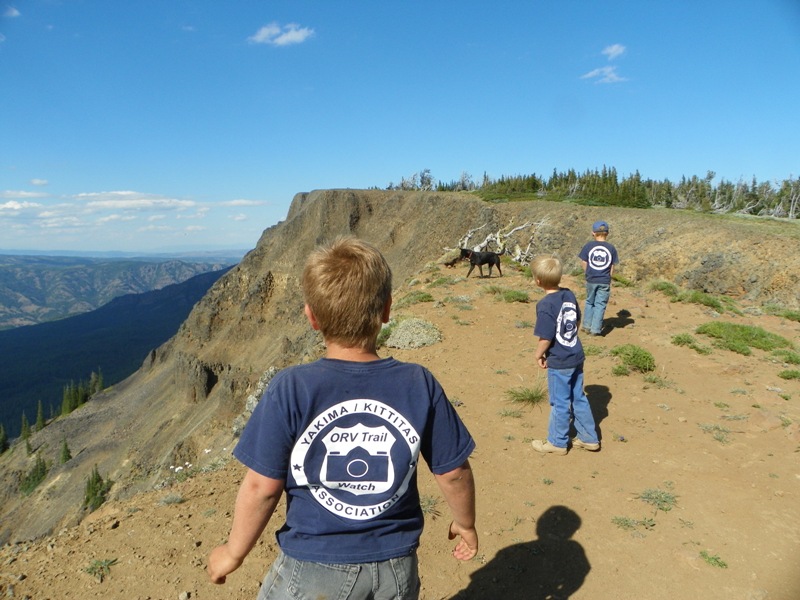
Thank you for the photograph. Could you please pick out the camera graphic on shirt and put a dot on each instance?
(358, 465)
(599, 258)
(358, 459)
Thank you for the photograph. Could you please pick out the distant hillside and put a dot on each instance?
(38, 289)
(38, 360)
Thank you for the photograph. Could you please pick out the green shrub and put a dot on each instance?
(788, 356)
(713, 559)
(593, 350)
(792, 315)
(661, 499)
(525, 395)
(620, 370)
(440, 281)
(100, 569)
(96, 490)
(694, 297)
(740, 338)
(698, 297)
(506, 294)
(682, 339)
(635, 358)
(665, 287)
(622, 281)
(685, 339)
(515, 296)
(414, 297)
(793, 374)
(34, 477)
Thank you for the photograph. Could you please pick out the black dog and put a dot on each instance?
(481, 258)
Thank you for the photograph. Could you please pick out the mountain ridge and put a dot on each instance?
(189, 390)
(112, 341)
(42, 288)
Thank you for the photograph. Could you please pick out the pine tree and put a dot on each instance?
(65, 453)
(25, 431)
(34, 477)
(39, 417)
(3, 439)
(67, 404)
(96, 490)
(95, 382)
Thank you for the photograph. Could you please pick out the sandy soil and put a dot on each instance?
(717, 436)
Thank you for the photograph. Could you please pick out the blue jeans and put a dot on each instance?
(597, 295)
(291, 579)
(569, 402)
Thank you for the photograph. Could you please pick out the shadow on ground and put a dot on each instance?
(551, 567)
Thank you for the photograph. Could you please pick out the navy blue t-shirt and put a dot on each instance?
(557, 319)
(599, 257)
(346, 437)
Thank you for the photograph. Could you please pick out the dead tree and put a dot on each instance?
(507, 240)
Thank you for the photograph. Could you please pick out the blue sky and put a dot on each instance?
(189, 124)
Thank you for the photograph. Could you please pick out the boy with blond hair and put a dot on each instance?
(342, 437)
(559, 350)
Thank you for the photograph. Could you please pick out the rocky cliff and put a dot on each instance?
(178, 409)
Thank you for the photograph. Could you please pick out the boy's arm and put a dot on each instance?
(258, 496)
(458, 487)
(541, 349)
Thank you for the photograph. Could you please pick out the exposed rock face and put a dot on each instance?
(188, 393)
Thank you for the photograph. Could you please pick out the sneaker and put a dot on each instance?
(578, 443)
(545, 447)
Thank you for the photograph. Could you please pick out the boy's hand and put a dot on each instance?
(221, 564)
(542, 362)
(467, 546)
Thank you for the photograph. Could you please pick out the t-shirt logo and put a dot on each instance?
(357, 458)
(567, 325)
(599, 258)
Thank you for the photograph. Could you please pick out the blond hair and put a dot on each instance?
(347, 284)
(547, 270)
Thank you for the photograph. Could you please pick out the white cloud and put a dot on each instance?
(604, 75)
(277, 35)
(68, 222)
(239, 217)
(195, 228)
(126, 200)
(19, 194)
(155, 228)
(115, 217)
(39, 182)
(13, 205)
(2, 38)
(614, 51)
(243, 202)
(11, 12)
